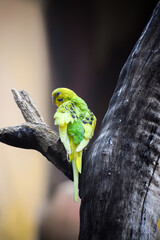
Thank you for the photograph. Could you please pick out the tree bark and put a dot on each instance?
(35, 134)
(120, 185)
(120, 180)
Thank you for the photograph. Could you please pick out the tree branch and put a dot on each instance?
(29, 110)
(35, 134)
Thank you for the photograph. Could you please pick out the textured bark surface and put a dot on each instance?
(120, 185)
(35, 134)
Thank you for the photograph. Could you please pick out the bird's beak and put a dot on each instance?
(53, 99)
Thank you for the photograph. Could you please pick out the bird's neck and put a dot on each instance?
(80, 103)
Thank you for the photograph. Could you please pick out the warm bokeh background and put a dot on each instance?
(44, 45)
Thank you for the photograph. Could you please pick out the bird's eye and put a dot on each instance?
(58, 93)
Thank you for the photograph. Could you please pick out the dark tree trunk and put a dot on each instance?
(120, 182)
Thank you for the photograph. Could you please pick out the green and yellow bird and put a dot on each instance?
(76, 127)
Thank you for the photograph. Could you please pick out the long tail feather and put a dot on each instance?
(79, 161)
(75, 176)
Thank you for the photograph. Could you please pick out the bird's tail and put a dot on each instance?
(75, 176)
(76, 159)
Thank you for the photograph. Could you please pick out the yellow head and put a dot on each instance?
(61, 95)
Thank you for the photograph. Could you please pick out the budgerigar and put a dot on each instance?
(76, 127)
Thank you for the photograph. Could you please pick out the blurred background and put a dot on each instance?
(47, 44)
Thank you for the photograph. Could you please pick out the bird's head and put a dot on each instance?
(61, 95)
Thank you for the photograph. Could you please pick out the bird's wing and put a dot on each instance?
(65, 114)
(89, 123)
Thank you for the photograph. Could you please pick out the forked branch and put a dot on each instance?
(36, 134)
